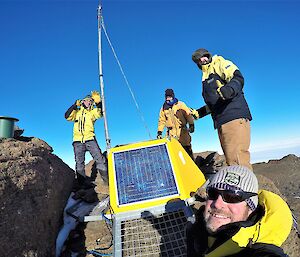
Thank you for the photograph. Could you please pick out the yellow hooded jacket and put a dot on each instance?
(273, 228)
(176, 118)
(84, 120)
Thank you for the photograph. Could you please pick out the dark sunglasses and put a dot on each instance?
(229, 196)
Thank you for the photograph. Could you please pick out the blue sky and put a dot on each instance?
(49, 58)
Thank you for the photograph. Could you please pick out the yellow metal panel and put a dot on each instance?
(187, 175)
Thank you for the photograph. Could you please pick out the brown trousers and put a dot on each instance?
(235, 141)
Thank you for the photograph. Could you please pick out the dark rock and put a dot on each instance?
(283, 178)
(34, 187)
(209, 162)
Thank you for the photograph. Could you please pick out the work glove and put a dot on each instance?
(220, 85)
(191, 128)
(159, 135)
(78, 103)
(194, 113)
(96, 97)
(227, 92)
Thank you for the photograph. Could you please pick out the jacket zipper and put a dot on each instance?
(174, 121)
(81, 126)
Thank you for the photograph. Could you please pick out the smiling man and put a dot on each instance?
(238, 220)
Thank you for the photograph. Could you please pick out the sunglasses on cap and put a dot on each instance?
(228, 196)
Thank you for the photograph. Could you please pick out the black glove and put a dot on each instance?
(159, 135)
(227, 92)
(78, 103)
(191, 128)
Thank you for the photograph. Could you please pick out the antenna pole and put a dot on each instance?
(99, 12)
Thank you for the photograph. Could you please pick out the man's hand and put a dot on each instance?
(227, 92)
(195, 113)
(159, 135)
(191, 128)
(96, 97)
(78, 103)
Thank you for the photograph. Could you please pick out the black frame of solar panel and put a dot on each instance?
(136, 175)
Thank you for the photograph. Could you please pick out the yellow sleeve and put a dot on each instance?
(189, 116)
(161, 121)
(72, 116)
(97, 113)
(226, 69)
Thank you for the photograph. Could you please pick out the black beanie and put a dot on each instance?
(199, 54)
(169, 92)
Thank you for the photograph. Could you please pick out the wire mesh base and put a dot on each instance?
(162, 235)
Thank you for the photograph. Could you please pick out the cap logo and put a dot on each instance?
(227, 66)
(232, 179)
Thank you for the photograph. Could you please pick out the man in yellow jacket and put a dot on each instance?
(175, 115)
(84, 114)
(238, 220)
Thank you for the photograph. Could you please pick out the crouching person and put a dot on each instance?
(238, 220)
(84, 113)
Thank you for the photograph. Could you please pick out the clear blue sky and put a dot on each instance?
(49, 58)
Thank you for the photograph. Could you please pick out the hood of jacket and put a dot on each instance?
(274, 227)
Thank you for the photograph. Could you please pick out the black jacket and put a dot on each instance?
(223, 76)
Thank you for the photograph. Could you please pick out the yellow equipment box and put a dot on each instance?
(150, 173)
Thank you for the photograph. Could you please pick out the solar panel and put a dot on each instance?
(144, 174)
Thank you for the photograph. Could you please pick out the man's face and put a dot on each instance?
(169, 98)
(87, 102)
(218, 213)
(203, 60)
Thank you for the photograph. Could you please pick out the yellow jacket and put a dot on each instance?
(84, 120)
(223, 68)
(175, 119)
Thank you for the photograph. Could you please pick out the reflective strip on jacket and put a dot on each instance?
(175, 119)
(218, 73)
(84, 120)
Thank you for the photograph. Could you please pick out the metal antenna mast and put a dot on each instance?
(99, 11)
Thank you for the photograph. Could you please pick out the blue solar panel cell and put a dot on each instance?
(144, 174)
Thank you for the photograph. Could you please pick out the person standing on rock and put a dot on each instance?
(238, 220)
(175, 115)
(222, 90)
(84, 113)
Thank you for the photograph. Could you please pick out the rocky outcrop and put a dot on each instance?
(34, 187)
(284, 176)
(209, 162)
